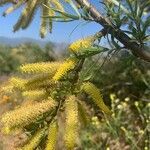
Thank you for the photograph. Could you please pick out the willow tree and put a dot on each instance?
(51, 89)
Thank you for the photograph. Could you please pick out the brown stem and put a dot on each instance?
(135, 48)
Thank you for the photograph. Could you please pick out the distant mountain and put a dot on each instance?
(17, 41)
(58, 47)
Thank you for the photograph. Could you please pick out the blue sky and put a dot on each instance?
(61, 31)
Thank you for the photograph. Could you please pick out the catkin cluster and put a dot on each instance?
(49, 89)
(47, 8)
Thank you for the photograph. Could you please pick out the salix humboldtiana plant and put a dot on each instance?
(49, 89)
(53, 88)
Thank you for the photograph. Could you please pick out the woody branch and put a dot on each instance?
(137, 50)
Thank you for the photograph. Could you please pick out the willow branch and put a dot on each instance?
(134, 47)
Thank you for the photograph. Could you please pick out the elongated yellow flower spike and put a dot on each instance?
(35, 94)
(25, 115)
(43, 67)
(83, 115)
(39, 78)
(52, 136)
(71, 125)
(68, 65)
(4, 99)
(30, 84)
(7, 89)
(39, 81)
(35, 141)
(81, 43)
(18, 83)
(40, 85)
(94, 92)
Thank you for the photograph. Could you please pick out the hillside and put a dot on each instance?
(17, 41)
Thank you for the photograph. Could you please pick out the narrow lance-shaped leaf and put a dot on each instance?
(67, 15)
(119, 5)
(90, 51)
(74, 7)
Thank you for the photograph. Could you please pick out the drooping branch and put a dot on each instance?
(136, 49)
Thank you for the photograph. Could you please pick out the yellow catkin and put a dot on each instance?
(81, 43)
(83, 115)
(71, 124)
(18, 83)
(39, 81)
(7, 89)
(35, 94)
(94, 92)
(25, 115)
(35, 140)
(40, 85)
(5, 99)
(68, 65)
(33, 83)
(52, 136)
(39, 78)
(43, 67)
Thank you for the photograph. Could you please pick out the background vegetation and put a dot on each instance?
(124, 81)
(12, 57)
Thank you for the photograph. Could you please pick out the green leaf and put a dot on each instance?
(146, 25)
(74, 7)
(87, 52)
(147, 38)
(63, 13)
(120, 5)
